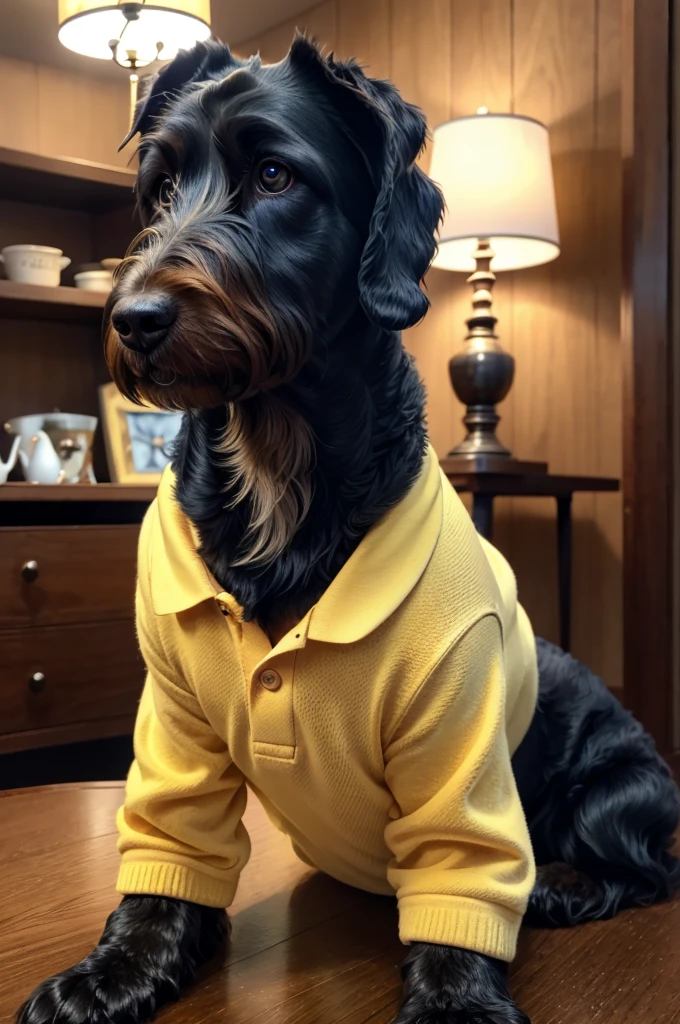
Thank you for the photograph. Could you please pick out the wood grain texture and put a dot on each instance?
(56, 113)
(319, 22)
(365, 31)
(554, 306)
(19, 116)
(16, 491)
(305, 949)
(84, 574)
(58, 735)
(91, 672)
(39, 302)
(649, 352)
(65, 183)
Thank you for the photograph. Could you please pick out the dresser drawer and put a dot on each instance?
(55, 675)
(62, 574)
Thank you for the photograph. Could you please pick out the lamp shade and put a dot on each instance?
(89, 26)
(496, 175)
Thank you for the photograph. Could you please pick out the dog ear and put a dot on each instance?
(408, 208)
(209, 59)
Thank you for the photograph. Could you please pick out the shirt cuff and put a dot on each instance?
(459, 921)
(165, 878)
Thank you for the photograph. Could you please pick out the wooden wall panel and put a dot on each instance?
(606, 555)
(19, 116)
(56, 113)
(559, 62)
(318, 22)
(554, 309)
(364, 31)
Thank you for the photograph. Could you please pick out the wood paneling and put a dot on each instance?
(318, 21)
(560, 63)
(19, 108)
(56, 113)
(365, 31)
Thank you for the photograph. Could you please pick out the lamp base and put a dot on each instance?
(481, 420)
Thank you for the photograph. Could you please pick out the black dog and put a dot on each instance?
(275, 326)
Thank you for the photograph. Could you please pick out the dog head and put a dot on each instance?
(276, 201)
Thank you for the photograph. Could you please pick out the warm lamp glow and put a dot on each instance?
(89, 26)
(496, 176)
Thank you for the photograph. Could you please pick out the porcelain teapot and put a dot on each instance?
(43, 465)
(7, 467)
(70, 436)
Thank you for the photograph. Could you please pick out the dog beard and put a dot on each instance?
(229, 341)
(229, 345)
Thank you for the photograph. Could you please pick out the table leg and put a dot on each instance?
(482, 514)
(564, 567)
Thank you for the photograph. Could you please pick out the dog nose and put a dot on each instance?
(142, 322)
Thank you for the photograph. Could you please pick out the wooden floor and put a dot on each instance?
(305, 949)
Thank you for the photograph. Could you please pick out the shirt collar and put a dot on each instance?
(374, 581)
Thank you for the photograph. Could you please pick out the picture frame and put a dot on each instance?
(137, 437)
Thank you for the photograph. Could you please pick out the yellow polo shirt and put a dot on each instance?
(377, 733)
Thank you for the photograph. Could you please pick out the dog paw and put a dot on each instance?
(111, 988)
(511, 1015)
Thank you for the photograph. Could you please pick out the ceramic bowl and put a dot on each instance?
(94, 280)
(111, 262)
(34, 264)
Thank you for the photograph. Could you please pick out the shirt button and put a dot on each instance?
(271, 680)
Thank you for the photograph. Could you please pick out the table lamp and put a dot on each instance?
(496, 176)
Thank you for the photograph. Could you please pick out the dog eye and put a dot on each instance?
(273, 177)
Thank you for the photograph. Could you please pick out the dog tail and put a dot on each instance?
(605, 809)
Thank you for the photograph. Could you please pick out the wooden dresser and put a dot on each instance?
(70, 668)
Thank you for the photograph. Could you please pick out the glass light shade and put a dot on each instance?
(496, 175)
(88, 26)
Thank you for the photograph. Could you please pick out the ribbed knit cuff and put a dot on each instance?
(458, 921)
(161, 878)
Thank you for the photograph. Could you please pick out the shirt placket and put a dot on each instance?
(269, 675)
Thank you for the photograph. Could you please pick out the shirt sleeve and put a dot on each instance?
(462, 862)
(181, 833)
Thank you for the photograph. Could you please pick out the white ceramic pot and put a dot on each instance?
(43, 466)
(34, 264)
(58, 426)
(94, 280)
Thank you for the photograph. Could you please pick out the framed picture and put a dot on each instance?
(138, 437)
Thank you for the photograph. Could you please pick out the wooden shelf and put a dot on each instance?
(37, 302)
(77, 492)
(64, 182)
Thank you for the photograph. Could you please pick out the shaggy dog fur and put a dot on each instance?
(287, 233)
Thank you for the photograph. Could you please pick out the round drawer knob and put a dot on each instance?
(29, 571)
(37, 682)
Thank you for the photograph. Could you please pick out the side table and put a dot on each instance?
(485, 486)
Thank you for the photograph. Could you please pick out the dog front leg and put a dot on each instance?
(447, 985)
(150, 949)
